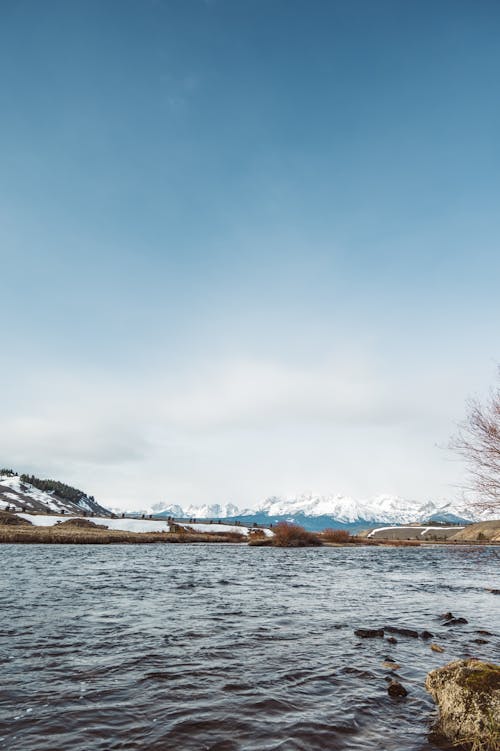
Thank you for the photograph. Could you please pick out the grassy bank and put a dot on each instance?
(69, 535)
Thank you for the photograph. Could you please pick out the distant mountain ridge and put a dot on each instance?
(30, 493)
(318, 512)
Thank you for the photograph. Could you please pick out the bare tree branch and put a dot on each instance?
(478, 441)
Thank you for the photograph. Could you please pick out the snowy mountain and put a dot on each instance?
(206, 511)
(318, 512)
(18, 494)
(383, 508)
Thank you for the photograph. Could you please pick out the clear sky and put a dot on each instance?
(247, 247)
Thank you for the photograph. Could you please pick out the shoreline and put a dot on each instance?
(26, 535)
(57, 535)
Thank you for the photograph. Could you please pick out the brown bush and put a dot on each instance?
(257, 534)
(288, 535)
(178, 529)
(336, 535)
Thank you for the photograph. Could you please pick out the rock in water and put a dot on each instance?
(437, 648)
(403, 631)
(426, 634)
(468, 695)
(456, 621)
(446, 616)
(369, 633)
(396, 689)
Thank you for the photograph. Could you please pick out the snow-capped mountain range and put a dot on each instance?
(318, 512)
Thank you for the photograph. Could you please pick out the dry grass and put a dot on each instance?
(336, 535)
(71, 535)
(479, 532)
(401, 543)
(80, 524)
(11, 520)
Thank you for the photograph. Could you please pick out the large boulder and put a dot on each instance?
(468, 695)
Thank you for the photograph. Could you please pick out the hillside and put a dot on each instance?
(30, 494)
(486, 531)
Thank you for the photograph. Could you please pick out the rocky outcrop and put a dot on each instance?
(468, 695)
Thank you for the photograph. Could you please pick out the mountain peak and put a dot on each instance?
(319, 511)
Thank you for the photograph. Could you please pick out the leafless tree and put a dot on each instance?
(478, 441)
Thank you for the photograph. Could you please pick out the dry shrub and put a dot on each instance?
(230, 536)
(288, 535)
(178, 529)
(257, 534)
(336, 535)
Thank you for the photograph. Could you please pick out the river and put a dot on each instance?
(230, 648)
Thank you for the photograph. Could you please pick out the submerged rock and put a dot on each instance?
(446, 616)
(468, 695)
(396, 689)
(369, 633)
(403, 631)
(456, 621)
(426, 634)
(390, 665)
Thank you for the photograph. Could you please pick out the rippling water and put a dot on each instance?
(163, 647)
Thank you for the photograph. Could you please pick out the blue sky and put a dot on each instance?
(248, 247)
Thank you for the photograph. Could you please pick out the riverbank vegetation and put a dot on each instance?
(17, 529)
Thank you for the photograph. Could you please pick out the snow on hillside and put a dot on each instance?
(19, 494)
(13, 492)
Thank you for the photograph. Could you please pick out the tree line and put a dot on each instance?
(64, 491)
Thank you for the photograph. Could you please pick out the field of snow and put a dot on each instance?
(124, 525)
(136, 525)
(421, 530)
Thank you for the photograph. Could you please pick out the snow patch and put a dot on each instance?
(124, 525)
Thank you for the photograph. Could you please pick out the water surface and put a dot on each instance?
(230, 648)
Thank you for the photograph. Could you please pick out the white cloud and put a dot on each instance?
(234, 430)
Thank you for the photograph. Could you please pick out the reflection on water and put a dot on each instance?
(229, 648)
